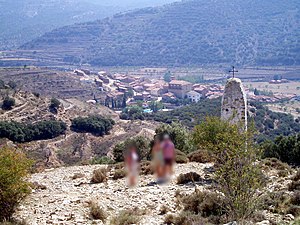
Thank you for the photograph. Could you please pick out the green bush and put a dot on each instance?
(235, 154)
(54, 105)
(8, 103)
(286, 149)
(140, 143)
(13, 187)
(102, 160)
(22, 132)
(178, 134)
(97, 125)
(127, 217)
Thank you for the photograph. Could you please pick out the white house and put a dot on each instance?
(194, 96)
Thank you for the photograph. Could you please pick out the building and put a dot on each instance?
(180, 88)
(194, 96)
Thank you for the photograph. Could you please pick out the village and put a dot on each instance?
(169, 91)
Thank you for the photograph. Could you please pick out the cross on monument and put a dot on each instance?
(233, 71)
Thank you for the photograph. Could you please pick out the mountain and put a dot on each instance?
(24, 20)
(191, 32)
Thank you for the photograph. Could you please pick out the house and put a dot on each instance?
(194, 96)
(180, 88)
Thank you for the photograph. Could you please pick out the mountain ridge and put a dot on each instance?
(192, 32)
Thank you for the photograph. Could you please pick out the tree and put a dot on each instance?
(54, 105)
(140, 143)
(124, 101)
(256, 92)
(13, 187)
(235, 154)
(2, 84)
(178, 134)
(8, 103)
(167, 76)
(155, 106)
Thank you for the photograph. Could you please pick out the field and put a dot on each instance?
(292, 87)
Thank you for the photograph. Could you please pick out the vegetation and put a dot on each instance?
(178, 134)
(181, 157)
(189, 115)
(97, 213)
(54, 105)
(8, 103)
(127, 217)
(186, 29)
(140, 143)
(97, 125)
(99, 176)
(14, 168)
(132, 113)
(236, 174)
(188, 177)
(200, 156)
(22, 132)
(102, 160)
(286, 149)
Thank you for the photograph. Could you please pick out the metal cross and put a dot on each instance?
(233, 71)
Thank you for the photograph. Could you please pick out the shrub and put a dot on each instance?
(102, 160)
(119, 174)
(163, 210)
(97, 212)
(235, 154)
(178, 134)
(97, 125)
(286, 149)
(204, 203)
(140, 143)
(186, 218)
(181, 157)
(13, 188)
(188, 177)
(200, 156)
(127, 217)
(21, 132)
(8, 103)
(99, 176)
(54, 105)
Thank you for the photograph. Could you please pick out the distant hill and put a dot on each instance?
(24, 20)
(194, 32)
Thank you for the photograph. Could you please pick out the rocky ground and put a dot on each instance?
(64, 200)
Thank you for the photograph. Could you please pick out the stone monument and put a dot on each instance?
(234, 102)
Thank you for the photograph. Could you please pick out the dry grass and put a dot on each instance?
(200, 156)
(188, 177)
(146, 168)
(181, 157)
(163, 210)
(99, 175)
(127, 217)
(96, 212)
(119, 174)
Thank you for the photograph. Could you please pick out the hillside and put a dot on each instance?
(51, 83)
(24, 20)
(72, 148)
(65, 200)
(192, 32)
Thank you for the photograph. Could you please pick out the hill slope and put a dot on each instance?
(24, 20)
(192, 32)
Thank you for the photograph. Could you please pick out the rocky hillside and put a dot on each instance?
(192, 32)
(51, 83)
(72, 148)
(62, 198)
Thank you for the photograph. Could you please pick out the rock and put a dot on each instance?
(264, 222)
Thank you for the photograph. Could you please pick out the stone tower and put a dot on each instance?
(234, 102)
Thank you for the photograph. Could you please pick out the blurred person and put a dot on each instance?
(158, 159)
(168, 149)
(132, 165)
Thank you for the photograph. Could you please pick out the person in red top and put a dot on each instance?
(132, 165)
(168, 154)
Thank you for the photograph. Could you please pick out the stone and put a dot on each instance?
(234, 102)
